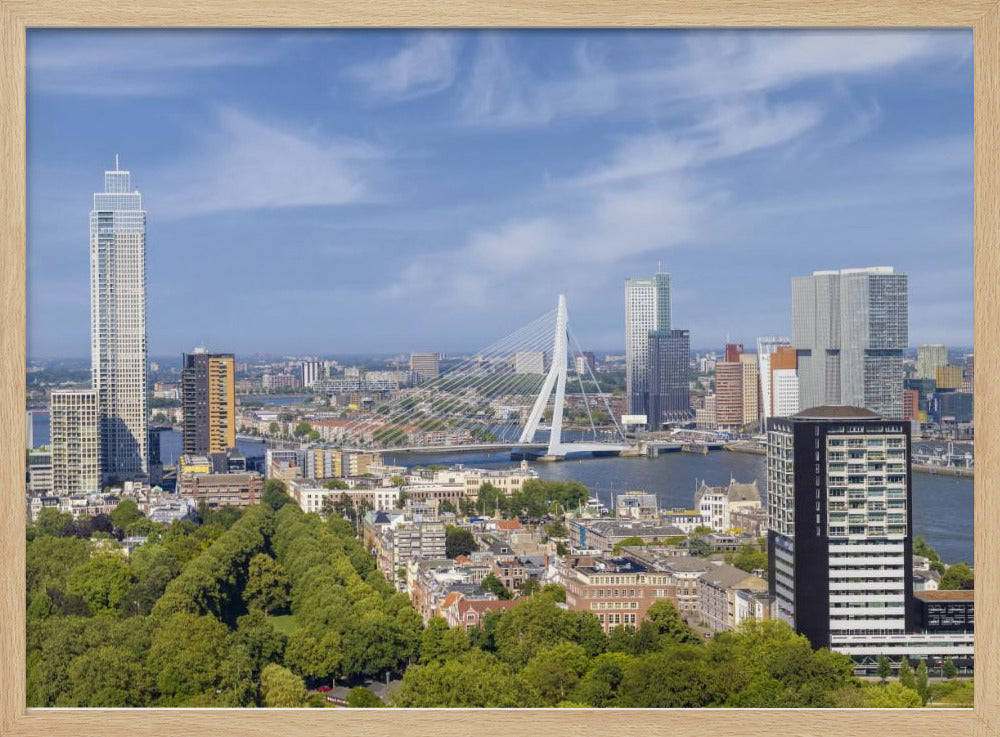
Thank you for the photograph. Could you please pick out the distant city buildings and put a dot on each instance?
(118, 325)
(529, 362)
(209, 402)
(767, 347)
(669, 378)
(849, 328)
(929, 358)
(76, 448)
(647, 309)
(425, 366)
(312, 371)
(737, 390)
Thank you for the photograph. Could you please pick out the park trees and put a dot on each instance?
(281, 688)
(267, 585)
(459, 541)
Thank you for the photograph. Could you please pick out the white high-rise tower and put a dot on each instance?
(647, 310)
(118, 325)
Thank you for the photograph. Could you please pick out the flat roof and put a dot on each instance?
(946, 595)
(836, 412)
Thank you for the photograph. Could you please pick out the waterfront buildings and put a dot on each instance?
(40, 479)
(736, 390)
(118, 325)
(784, 383)
(76, 448)
(669, 378)
(718, 504)
(647, 309)
(772, 355)
(840, 537)
(929, 357)
(849, 328)
(312, 371)
(425, 366)
(209, 402)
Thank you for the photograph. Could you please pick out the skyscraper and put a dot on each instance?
(425, 366)
(647, 310)
(766, 347)
(849, 328)
(669, 377)
(209, 402)
(929, 357)
(76, 451)
(784, 382)
(839, 529)
(118, 325)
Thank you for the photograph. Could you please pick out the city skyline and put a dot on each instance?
(440, 170)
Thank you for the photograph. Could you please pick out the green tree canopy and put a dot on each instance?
(958, 576)
(125, 514)
(267, 584)
(459, 541)
(281, 688)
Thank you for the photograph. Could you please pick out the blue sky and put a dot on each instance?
(324, 192)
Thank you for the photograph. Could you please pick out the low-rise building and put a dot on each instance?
(717, 595)
(221, 489)
(618, 591)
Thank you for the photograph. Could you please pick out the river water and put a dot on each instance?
(942, 505)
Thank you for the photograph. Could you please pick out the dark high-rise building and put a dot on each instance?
(669, 377)
(209, 402)
(840, 535)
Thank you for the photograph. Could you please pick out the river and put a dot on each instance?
(942, 505)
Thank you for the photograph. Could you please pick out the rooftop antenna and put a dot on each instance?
(116, 162)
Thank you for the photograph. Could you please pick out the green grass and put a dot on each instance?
(285, 623)
(957, 693)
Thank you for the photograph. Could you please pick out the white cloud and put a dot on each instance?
(424, 67)
(502, 92)
(248, 164)
(127, 63)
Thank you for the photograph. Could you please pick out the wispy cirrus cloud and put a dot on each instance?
(119, 63)
(248, 164)
(423, 67)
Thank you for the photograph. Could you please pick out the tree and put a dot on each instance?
(921, 548)
(282, 689)
(187, 657)
(446, 506)
(440, 643)
(267, 584)
(360, 697)
(302, 429)
(103, 581)
(459, 541)
(529, 587)
(599, 687)
(50, 522)
(958, 576)
(554, 671)
(493, 585)
(125, 513)
(274, 429)
(336, 485)
(475, 679)
(923, 685)
(275, 494)
(890, 696)
(750, 557)
(670, 628)
(884, 668)
(906, 675)
(949, 669)
(315, 658)
(678, 677)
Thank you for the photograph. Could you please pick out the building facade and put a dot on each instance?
(929, 357)
(669, 378)
(209, 402)
(118, 325)
(76, 447)
(425, 366)
(766, 348)
(647, 309)
(839, 538)
(849, 328)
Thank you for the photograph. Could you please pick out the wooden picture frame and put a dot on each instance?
(16, 16)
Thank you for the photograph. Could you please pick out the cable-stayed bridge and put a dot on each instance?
(500, 398)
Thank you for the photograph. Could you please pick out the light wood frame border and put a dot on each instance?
(983, 16)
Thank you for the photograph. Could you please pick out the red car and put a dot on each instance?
(324, 689)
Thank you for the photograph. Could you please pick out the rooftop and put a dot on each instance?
(946, 595)
(836, 412)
